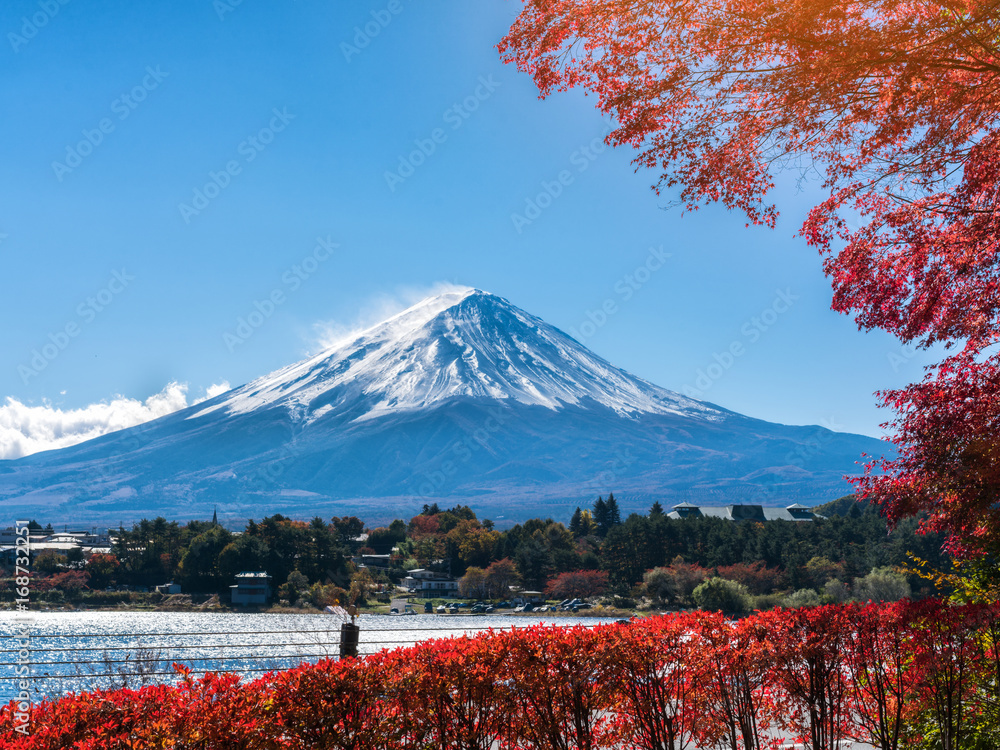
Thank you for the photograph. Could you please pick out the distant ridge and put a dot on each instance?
(843, 506)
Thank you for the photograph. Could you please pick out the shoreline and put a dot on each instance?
(284, 610)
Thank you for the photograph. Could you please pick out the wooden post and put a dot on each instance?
(349, 633)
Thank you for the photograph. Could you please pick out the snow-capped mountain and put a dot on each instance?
(461, 398)
(466, 344)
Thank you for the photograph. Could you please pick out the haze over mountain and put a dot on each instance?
(461, 398)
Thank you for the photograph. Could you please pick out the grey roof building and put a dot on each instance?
(251, 587)
(741, 512)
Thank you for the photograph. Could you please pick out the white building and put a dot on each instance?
(53, 541)
(428, 583)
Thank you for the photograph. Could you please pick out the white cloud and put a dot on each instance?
(215, 390)
(30, 429)
(329, 333)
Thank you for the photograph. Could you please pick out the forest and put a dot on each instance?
(651, 560)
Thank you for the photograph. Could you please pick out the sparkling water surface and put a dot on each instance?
(74, 651)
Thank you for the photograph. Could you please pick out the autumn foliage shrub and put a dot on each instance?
(900, 675)
(658, 677)
(449, 694)
(558, 690)
(757, 577)
(577, 584)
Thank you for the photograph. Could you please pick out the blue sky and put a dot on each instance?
(167, 165)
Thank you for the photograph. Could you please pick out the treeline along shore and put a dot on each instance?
(661, 560)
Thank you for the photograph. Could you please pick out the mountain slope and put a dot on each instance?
(460, 344)
(463, 397)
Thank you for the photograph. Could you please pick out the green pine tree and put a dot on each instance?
(602, 516)
(614, 515)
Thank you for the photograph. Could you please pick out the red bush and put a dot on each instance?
(448, 695)
(659, 680)
(810, 659)
(332, 704)
(577, 584)
(880, 674)
(757, 577)
(557, 690)
(738, 694)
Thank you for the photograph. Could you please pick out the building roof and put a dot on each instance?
(41, 546)
(745, 512)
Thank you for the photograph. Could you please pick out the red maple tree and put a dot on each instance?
(894, 106)
(577, 584)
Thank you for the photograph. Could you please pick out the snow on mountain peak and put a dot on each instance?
(461, 343)
(412, 317)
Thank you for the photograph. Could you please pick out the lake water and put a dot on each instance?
(73, 651)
